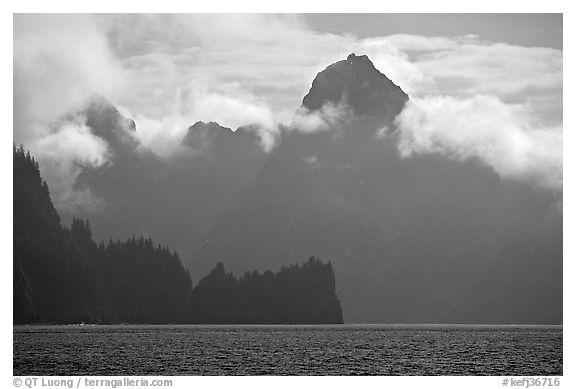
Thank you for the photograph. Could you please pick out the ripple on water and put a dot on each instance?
(287, 350)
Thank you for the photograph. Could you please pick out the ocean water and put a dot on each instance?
(288, 350)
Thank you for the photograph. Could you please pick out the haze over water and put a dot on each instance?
(288, 350)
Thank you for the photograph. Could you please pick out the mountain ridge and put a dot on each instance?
(424, 236)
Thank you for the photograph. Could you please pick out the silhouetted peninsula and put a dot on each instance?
(296, 294)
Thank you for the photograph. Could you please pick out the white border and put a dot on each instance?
(421, 6)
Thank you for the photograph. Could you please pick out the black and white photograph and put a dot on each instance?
(286, 194)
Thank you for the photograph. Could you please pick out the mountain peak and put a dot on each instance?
(211, 126)
(200, 134)
(212, 136)
(354, 57)
(106, 122)
(357, 82)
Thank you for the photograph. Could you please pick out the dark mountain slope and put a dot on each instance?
(419, 239)
(54, 281)
(171, 200)
(62, 276)
(407, 237)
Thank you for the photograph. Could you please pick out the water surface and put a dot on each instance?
(288, 350)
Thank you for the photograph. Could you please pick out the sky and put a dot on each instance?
(518, 29)
(481, 86)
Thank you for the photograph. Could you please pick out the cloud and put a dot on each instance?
(235, 111)
(169, 71)
(325, 119)
(198, 101)
(417, 43)
(273, 57)
(236, 70)
(62, 154)
(504, 70)
(496, 102)
(59, 60)
(505, 137)
(394, 56)
(142, 61)
(466, 66)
